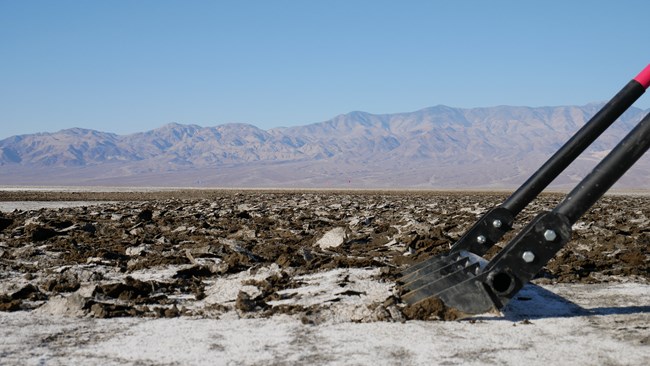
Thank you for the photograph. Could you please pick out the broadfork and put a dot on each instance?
(464, 280)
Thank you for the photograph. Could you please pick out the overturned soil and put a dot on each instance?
(175, 253)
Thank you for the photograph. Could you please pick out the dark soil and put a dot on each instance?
(431, 309)
(244, 230)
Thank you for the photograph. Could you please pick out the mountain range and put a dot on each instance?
(438, 148)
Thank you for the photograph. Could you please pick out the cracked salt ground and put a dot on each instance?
(228, 263)
(580, 326)
(348, 295)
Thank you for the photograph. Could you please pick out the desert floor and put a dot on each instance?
(300, 277)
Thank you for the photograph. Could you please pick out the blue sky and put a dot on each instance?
(128, 66)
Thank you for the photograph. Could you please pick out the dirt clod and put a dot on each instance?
(246, 303)
(431, 309)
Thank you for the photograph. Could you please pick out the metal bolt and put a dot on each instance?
(481, 239)
(528, 256)
(496, 223)
(550, 235)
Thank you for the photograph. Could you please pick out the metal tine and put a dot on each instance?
(432, 288)
(435, 274)
(442, 262)
(428, 265)
(468, 297)
(424, 263)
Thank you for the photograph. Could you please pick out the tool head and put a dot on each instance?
(456, 279)
(471, 285)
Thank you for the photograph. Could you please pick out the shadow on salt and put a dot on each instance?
(536, 302)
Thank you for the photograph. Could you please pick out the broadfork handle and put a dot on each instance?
(644, 77)
(578, 143)
(607, 172)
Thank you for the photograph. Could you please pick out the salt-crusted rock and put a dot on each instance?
(68, 305)
(136, 251)
(332, 238)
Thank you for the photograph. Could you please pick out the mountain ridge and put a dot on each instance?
(434, 147)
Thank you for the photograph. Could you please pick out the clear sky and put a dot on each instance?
(128, 66)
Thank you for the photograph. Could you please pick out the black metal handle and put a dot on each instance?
(575, 146)
(607, 172)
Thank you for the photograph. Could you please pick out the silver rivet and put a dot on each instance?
(528, 256)
(496, 223)
(481, 239)
(550, 235)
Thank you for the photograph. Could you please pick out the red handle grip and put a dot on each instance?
(644, 77)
